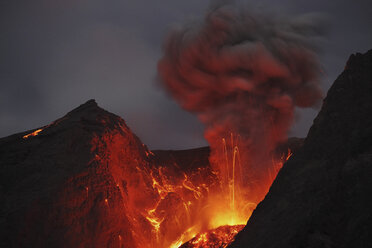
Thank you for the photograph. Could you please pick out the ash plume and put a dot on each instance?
(243, 73)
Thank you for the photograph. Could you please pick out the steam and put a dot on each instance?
(243, 74)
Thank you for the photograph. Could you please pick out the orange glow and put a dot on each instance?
(168, 205)
(34, 133)
(289, 154)
(232, 205)
(186, 236)
(155, 222)
(227, 207)
(219, 237)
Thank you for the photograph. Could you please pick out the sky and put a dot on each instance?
(57, 54)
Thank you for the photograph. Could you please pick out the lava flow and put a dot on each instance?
(172, 199)
(34, 133)
(203, 206)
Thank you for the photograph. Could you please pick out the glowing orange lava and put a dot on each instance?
(169, 204)
(225, 211)
(231, 206)
(34, 133)
(220, 237)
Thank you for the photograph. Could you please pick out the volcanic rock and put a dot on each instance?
(86, 180)
(186, 159)
(216, 238)
(322, 195)
(55, 190)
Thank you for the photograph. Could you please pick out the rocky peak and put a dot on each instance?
(90, 117)
(86, 180)
(61, 178)
(343, 127)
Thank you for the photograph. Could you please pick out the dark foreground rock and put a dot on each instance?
(323, 195)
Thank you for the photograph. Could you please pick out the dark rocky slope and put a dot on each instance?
(322, 197)
(87, 181)
(54, 186)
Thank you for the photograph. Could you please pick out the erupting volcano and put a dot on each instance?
(242, 74)
(102, 173)
(86, 180)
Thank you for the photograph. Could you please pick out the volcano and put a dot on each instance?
(86, 180)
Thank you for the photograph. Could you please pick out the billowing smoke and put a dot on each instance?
(243, 74)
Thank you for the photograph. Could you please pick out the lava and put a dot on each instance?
(168, 205)
(242, 74)
(220, 237)
(198, 206)
(34, 133)
(162, 199)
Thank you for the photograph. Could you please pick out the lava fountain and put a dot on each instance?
(243, 74)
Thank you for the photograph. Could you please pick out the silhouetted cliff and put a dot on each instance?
(322, 195)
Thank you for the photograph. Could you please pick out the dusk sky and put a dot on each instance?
(56, 55)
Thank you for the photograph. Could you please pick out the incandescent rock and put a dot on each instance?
(322, 195)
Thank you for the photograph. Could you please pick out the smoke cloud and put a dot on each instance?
(243, 73)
